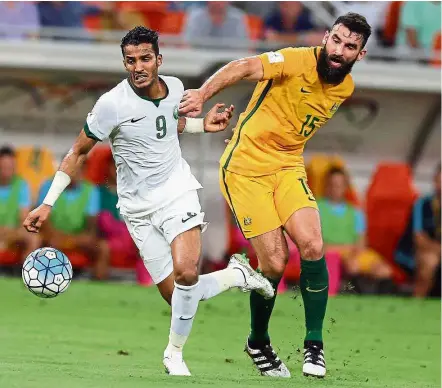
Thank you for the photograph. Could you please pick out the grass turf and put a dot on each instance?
(113, 335)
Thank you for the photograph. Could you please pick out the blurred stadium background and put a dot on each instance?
(57, 58)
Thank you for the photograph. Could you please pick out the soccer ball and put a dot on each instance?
(47, 272)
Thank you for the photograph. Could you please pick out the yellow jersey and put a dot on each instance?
(287, 107)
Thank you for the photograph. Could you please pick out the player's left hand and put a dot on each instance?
(218, 121)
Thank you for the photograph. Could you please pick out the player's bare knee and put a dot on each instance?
(275, 265)
(312, 249)
(186, 277)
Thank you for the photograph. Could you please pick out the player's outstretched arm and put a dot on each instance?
(68, 167)
(214, 121)
(250, 68)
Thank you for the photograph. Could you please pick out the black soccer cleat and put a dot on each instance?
(267, 361)
(314, 361)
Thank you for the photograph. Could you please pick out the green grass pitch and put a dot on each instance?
(113, 335)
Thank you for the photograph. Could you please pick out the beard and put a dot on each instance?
(330, 74)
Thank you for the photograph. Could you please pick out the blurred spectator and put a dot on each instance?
(259, 8)
(373, 11)
(343, 229)
(286, 23)
(419, 249)
(218, 19)
(18, 20)
(110, 225)
(101, 15)
(389, 29)
(419, 23)
(131, 14)
(15, 202)
(73, 223)
(128, 19)
(67, 14)
(185, 5)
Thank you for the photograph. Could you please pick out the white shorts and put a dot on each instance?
(154, 232)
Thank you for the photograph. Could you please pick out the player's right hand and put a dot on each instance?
(36, 217)
(191, 104)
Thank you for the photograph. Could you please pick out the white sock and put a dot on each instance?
(185, 301)
(217, 282)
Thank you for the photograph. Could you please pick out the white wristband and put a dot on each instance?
(60, 182)
(194, 125)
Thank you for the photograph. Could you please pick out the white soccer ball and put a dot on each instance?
(47, 272)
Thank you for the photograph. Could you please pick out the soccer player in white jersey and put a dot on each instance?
(156, 190)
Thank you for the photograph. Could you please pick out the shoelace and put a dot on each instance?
(271, 356)
(314, 353)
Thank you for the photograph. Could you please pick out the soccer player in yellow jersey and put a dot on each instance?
(262, 173)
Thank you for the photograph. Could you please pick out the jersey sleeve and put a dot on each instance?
(285, 62)
(102, 120)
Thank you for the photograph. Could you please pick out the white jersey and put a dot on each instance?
(144, 141)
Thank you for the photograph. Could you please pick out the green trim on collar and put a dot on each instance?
(156, 101)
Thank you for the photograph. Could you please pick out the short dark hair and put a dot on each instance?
(335, 170)
(355, 23)
(7, 151)
(139, 35)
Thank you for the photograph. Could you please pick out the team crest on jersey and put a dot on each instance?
(247, 221)
(175, 112)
